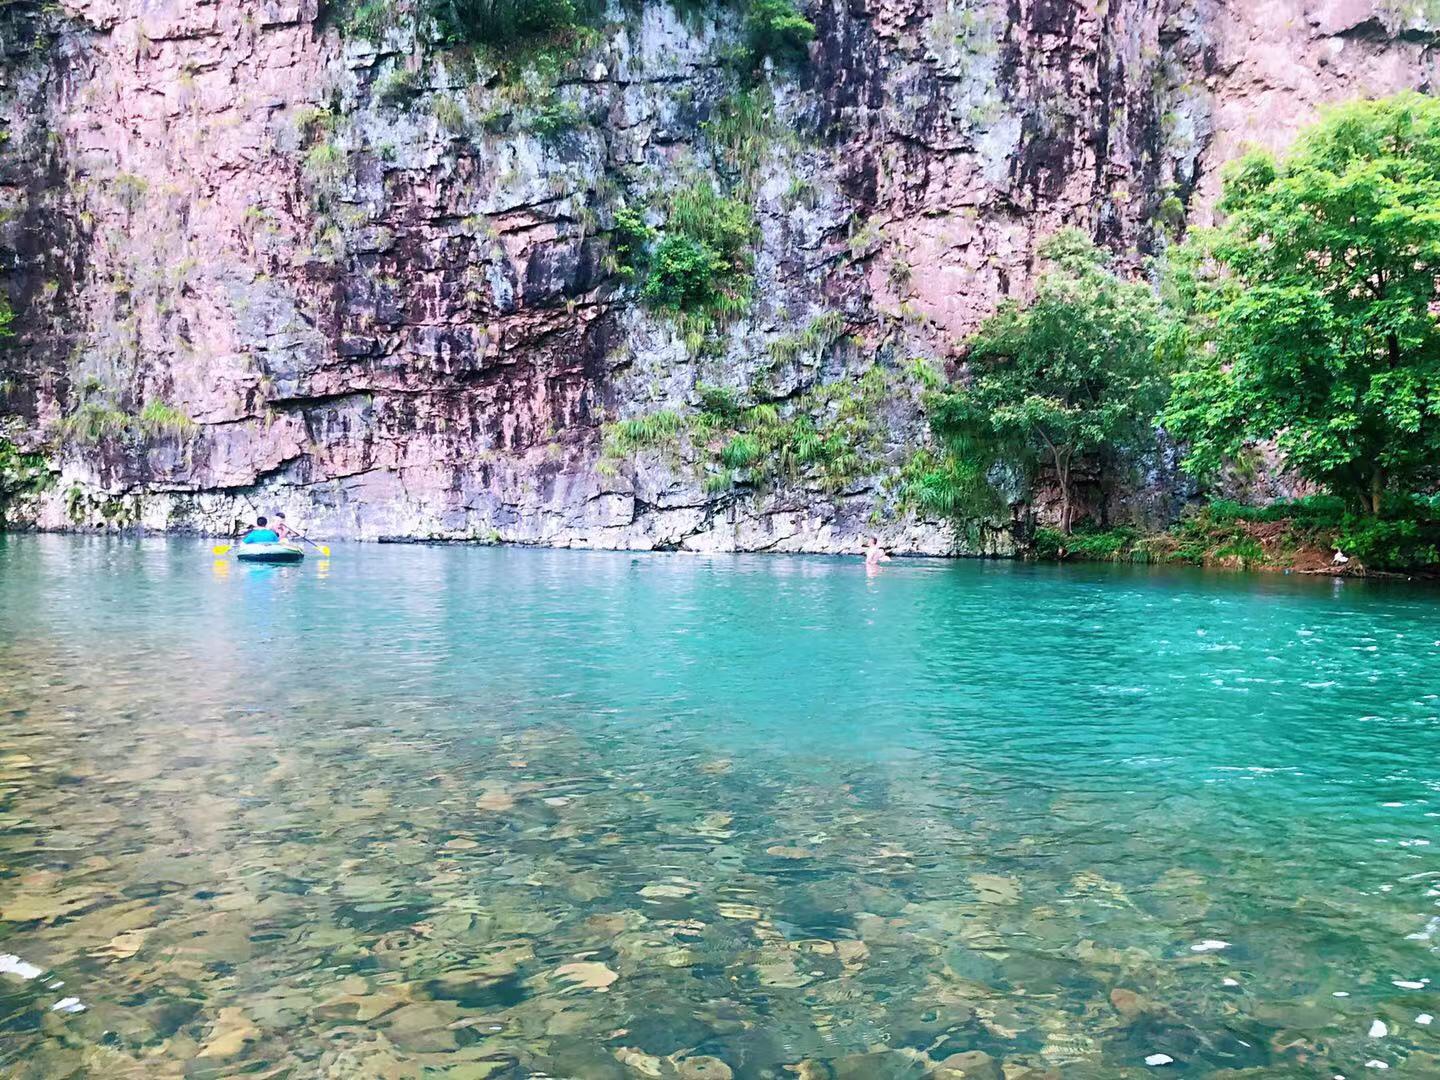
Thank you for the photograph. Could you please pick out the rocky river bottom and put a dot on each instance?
(478, 813)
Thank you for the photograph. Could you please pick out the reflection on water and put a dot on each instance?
(490, 813)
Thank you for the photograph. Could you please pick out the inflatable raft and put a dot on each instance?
(268, 553)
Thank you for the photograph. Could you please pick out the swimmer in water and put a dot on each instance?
(875, 554)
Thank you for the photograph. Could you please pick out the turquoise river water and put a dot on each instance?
(467, 812)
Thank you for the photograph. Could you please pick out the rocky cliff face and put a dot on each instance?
(259, 262)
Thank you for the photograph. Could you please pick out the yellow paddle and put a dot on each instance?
(324, 549)
(221, 549)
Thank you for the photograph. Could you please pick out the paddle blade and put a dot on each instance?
(325, 550)
(221, 549)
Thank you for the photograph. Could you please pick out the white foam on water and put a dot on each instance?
(1341, 993)
(1376, 1063)
(10, 964)
(68, 1005)
(1429, 932)
(1229, 982)
(1159, 1059)
(1407, 984)
(1378, 1030)
(1209, 945)
(1424, 1019)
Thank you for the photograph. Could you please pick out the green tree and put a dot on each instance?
(1312, 307)
(775, 29)
(630, 239)
(686, 274)
(1075, 374)
(501, 23)
(702, 263)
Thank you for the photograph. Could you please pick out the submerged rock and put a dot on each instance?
(996, 888)
(703, 1068)
(1129, 1004)
(229, 1035)
(968, 1065)
(586, 976)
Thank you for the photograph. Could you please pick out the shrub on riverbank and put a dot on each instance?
(1075, 374)
(1311, 308)
(1300, 534)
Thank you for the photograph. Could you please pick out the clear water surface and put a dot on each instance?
(472, 812)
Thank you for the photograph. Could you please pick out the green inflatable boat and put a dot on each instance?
(268, 553)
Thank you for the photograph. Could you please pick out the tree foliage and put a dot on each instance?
(630, 239)
(504, 23)
(776, 30)
(701, 264)
(1074, 374)
(1313, 306)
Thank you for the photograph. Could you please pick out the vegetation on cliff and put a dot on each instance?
(699, 268)
(1076, 372)
(99, 418)
(688, 255)
(526, 31)
(22, 472)
(1305, 321)
(1312, 308)
(826, 438)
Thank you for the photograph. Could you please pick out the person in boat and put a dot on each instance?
(875, 554)
(261, 534)
(287, 534)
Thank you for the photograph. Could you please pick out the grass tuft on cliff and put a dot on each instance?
(828, 437)
(96, 420)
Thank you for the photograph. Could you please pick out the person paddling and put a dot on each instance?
(290, 536)
(261, 533)
(875, 554)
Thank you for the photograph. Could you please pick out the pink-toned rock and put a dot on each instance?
(391, 317)
(1340, 16)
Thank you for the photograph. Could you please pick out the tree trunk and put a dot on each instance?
(1062, 473)
(1377, 489)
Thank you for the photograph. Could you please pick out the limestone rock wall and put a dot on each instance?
(361, 282)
